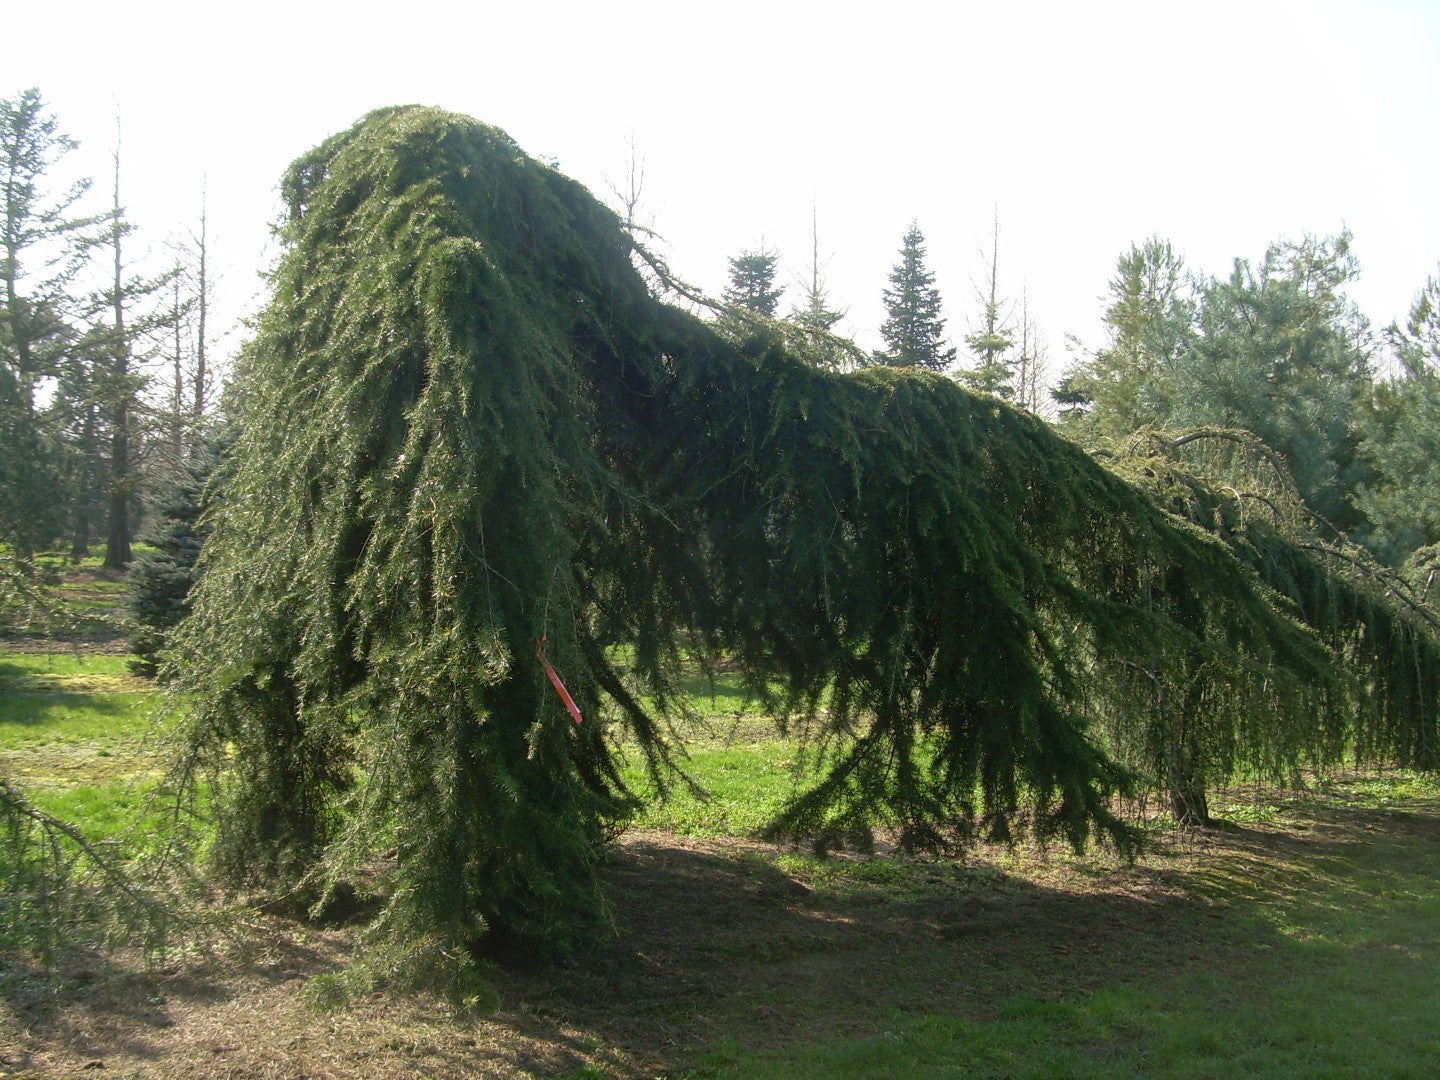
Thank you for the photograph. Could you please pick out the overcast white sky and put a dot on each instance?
(1221, 126)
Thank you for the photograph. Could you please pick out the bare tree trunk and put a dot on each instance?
(84, 503)
(202, 304)
(117, 538)
(177, 410)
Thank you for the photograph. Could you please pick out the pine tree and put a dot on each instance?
(1401, 501)
(43, 249)
(914, 330)
(1150, 319)
(992, 342)
(1280, 351)
(752, 282)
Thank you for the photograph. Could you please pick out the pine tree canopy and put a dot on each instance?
(914, 330)
(752, 282)
(466, 428)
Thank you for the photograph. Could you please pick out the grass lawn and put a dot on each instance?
(75, 736)
(1297, 941)
(1303, 948)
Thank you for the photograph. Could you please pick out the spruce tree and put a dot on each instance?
(752, 282)
(993, 340)
(161, 579)
(914, 330)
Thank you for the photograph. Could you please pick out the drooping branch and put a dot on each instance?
(469, 423)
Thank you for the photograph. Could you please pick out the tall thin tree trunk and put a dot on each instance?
(84, 509)
(202, 301)
(117, 538)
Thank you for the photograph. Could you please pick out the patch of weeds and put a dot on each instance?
(900, 875)
(587, 1072)
(1247, 813)
(329, 992)
(1380, 791)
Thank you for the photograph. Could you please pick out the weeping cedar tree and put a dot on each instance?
(468, 429)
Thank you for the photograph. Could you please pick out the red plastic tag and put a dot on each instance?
(555, 679)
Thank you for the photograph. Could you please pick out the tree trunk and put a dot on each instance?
(1186, 780)
(84, 508)
(117, 533)
(117, 538)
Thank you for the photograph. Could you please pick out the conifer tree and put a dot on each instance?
(477, 456)
(816, 312)
(1401, 501)
(1128, 383)
(914, 330)
(41, 251)
(161, 579)
(123, 342)
(817, 319)
(992, 341)
(752, 282)
(1282, 352)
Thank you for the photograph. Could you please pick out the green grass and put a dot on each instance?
(744, 771)
(77, 737)
(741, 788)
(1299, 943)
(1310, 953)
(77, 599)
(1311, 958)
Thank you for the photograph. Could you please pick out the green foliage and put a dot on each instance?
(1124, 386)
(1378, 704)
(1402, 438)
(914, 330)
(817, 314)
(752, 282)
(40, 253)
(1275, 349)
(467, 427)
(1281, 352)
(161, 576)
(994, 371)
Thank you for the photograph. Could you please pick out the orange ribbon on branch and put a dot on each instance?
(555, 679)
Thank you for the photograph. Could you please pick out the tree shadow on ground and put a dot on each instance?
(718, 944)
(751, 946)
